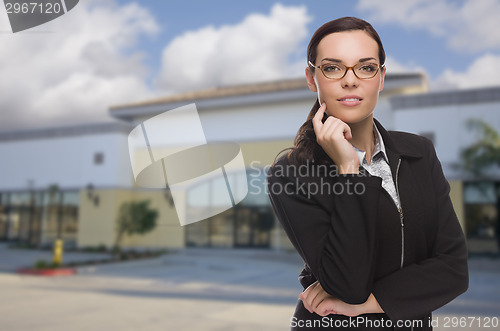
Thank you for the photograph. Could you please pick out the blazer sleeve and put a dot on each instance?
(420, 288)
(331, 228)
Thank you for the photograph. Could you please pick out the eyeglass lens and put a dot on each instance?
(338, 70)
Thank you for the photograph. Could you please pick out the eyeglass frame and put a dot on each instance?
(346, 70)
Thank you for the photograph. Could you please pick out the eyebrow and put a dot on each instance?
(339, 61)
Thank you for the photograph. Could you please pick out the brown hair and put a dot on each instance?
(305, 146)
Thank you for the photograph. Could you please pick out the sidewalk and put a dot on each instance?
(12, 259)
(193, 289)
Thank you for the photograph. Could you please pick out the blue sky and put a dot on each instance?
(414, 47)
(108, 52)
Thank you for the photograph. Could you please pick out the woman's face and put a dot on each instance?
(349, 48)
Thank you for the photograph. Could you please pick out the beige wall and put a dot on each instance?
(457, 198)
(97, 224)
(263, 151)
(168, 231)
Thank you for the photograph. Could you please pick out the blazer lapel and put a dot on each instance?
(395, 149)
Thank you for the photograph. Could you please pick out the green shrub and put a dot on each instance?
(41, 264)
(54, 265)
(102, 248)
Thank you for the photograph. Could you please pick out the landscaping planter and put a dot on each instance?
(47, 272)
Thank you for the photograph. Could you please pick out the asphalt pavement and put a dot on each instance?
(192, 289)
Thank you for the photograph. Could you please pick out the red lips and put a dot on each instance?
(350, 97)
(350, 100)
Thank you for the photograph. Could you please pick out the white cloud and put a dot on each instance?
(468, 26)
(257, 49)
(394, 66)
(482, 72)
(72, 69)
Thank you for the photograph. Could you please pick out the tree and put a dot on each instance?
(482, 156)
(485, 153)
(134, 217)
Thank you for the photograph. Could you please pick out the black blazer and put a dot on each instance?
(354, 240)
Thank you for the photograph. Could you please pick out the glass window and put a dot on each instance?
(4, 216)
(481, 217)
(20, 216)
(50, 214)
(248, 224)
(69, 217)
(60, 217)
(257, 188)
(98, 158)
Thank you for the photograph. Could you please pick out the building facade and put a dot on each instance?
(70, 182)
(445, 118)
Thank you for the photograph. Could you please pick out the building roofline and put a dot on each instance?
(225, 96)
(446, 98)
(66, 131)
(222, 91)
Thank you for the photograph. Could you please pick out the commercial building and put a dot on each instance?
(445, 118)
(71, 181)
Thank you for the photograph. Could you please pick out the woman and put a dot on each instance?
(369, 209)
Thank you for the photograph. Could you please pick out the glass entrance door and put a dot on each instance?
(253, 227)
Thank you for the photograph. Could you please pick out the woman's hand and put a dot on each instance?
(313, 296)
(315, 299)
(333, 136)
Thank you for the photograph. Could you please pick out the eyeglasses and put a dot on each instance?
(362, 70)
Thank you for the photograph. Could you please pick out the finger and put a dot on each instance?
(318, 299)
(322, 310)
(347, 131)
(332, 124)
(325, 312)
(322, 313)
(319, 294)
(331, 127)
(314, 293)
(333, 130)
(326, 307)
(304, 296)
(308, 290)
(306, 306)
(317, 123)
(311, 297)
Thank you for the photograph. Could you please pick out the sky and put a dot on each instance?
(111, 52)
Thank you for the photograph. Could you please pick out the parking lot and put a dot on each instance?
(192, 289)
